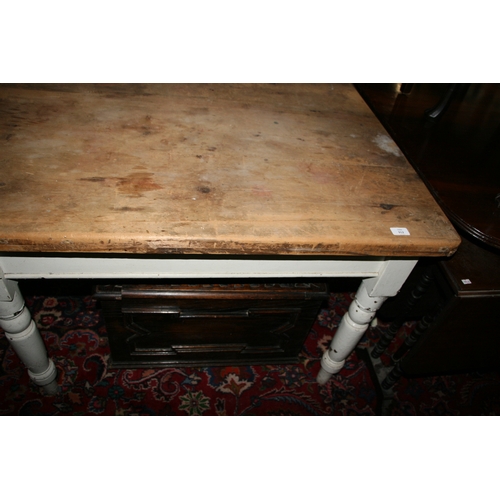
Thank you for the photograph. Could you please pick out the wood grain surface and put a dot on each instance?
(288, 169)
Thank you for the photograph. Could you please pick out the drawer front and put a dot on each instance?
(249, 330)
(177, 331)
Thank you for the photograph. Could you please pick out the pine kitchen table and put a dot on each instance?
(205, 181)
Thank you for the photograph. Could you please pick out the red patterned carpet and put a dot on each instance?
(75, 335)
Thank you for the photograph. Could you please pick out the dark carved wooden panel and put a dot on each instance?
(463, 304)
(202, 325)
(466, 332)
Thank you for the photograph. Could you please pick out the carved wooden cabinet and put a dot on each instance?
(208, 324)
(462, 309)
(466, 332)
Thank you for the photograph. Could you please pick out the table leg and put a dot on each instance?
(23, 334)
(369, 298)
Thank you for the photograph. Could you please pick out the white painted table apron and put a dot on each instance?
(382, 279)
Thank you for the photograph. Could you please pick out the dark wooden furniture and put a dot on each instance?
(209, 324)
(457, 156)
(459, 314)
(466, 331)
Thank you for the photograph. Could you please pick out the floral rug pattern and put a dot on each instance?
(75, 336)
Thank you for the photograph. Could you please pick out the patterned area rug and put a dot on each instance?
(75, 336)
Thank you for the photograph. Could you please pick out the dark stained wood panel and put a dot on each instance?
(209, 324)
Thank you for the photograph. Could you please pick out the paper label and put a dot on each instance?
(400, 231)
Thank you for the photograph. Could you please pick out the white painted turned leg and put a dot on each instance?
(21, 331)
(369, 298)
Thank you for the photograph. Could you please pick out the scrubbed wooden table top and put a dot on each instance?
(288, 169)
